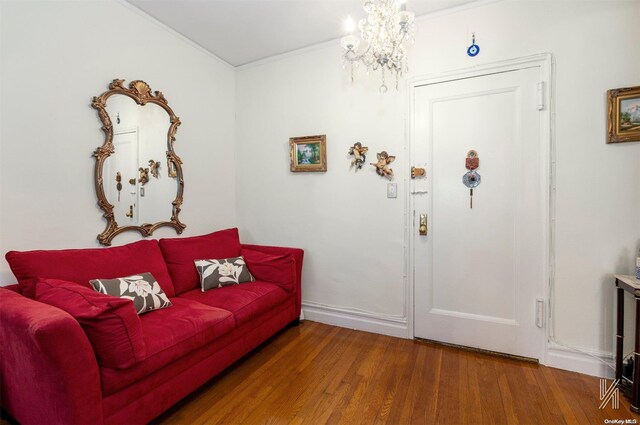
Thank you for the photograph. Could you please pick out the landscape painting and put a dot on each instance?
(623, 115)
(629, 118)
(308, 153)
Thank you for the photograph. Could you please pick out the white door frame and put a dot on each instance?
(545, 62)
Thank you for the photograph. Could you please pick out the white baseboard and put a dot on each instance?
(582, 361)
(362, 321)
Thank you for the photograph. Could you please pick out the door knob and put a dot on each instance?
(130, 213)
(423, 225)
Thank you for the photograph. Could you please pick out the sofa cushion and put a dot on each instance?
(169, 334)
(223, 272)
(180, 253)
(275, 268)
(245, 301)
(142, 289)
(82, 265)
(111, 323)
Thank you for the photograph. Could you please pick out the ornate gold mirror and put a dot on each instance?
(138, 176)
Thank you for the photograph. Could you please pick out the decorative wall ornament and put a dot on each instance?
(624, 115)
(474, 49)
(154, 167)
(141, 94)
(118, 184)
(358, 151)
(471, 179)
(143, 177)
(382, 166)
(308, 153)
(386, 32)
(171, 167)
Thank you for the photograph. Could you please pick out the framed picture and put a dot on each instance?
(308, 153)
(624, 115)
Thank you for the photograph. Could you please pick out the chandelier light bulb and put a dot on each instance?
(349, 25)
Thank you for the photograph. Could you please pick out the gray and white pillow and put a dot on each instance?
(142, 289)
(223, 272)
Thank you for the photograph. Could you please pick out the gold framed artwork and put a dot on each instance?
(308, 154)
(624, 115)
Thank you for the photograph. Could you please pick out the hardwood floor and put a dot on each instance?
(320, 374)
(317, 374)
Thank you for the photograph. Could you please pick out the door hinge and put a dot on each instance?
(540, 101)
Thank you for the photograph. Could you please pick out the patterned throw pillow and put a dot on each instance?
(142, 289)
(218, 273)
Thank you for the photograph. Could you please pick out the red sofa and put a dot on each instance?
(52, 370)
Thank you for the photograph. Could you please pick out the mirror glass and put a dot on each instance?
(139, 177)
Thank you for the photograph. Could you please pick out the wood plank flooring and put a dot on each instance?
(320, 374)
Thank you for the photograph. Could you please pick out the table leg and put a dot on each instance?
(620, 331)
(635, 391)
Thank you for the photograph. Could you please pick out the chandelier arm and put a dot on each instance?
(357, 57)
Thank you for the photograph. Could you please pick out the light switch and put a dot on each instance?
(392, 190)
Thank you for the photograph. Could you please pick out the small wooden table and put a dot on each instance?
(632, 285)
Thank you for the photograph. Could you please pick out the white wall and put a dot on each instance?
(354, 236)
(352, 233)
(57, 55)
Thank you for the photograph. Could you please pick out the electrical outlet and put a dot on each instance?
(392, 190)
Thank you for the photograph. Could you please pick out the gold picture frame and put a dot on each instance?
(308, 154)
(623, 115)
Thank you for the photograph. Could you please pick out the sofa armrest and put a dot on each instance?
(298, 256)
(48, 371)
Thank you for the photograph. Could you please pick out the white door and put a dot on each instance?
(125, 161)
(479, 271)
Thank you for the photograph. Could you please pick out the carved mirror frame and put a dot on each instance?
(140, 92)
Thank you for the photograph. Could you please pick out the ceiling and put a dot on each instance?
(245, 31)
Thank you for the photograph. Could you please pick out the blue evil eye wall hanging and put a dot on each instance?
(474, 49)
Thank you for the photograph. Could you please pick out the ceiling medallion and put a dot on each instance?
(385, 35)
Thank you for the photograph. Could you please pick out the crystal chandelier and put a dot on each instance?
(385, 35)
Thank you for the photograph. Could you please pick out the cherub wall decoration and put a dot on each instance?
(154, 166)
(358, 151)
(382, 166)
(143, 175)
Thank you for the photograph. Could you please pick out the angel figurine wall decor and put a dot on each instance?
(143, 177)
(358, 151)
(154, 167)
(382, 166)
